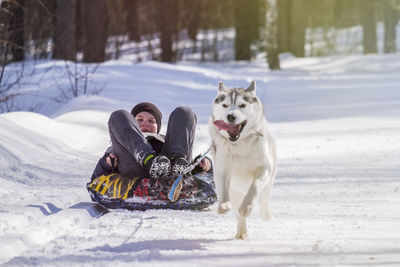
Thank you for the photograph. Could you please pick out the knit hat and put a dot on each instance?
(150, 108)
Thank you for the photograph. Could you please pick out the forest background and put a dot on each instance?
(94, 31)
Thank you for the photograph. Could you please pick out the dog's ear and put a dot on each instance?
(221, 86)
(252, 87)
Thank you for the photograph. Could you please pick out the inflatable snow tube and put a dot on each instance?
(115, 191)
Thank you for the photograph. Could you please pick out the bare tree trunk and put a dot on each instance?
(94, 18)
(65, 44)
(298, 24)
(16, 30)
(369, 26)
(246, 26)
(166, 28)
(283, 27)
(193, 15)
(132, 19)
(271, 23)
(390, 19)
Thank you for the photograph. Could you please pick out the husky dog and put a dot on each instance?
(243, 152)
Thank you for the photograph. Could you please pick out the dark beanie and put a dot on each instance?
(150, 108)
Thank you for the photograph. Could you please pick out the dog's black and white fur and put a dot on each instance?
(243, 152)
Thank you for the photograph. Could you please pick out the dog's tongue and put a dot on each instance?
(232, 129)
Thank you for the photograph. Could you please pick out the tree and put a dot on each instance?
(193, 16)
(11, 49)
(22, 30)
(346, 13)
(298, 25)
(283, 24)
(94, 30)
(292, 20)
(12, 12)
(246, 27)
(39, 27)
(272, 36)
(132, 19)
(321, 34)
(368, 22)
(65, 46)
(390, 20)
(168, 15)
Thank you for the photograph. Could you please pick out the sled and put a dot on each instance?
(95, 210)
(114, 191)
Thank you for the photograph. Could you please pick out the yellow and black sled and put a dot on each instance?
(118, 192)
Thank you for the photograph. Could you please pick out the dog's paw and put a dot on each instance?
(224, 207)
(266, 215)
(245, 210)
(241, 235)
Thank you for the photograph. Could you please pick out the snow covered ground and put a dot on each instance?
(336, 199)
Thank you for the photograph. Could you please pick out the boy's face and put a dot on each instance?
(147, 122)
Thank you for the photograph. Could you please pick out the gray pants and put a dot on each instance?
(131, 147)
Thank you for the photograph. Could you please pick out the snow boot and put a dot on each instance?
(157, 165)
(178, 166)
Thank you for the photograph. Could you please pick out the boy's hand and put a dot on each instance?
(108, 160)
(205, 164)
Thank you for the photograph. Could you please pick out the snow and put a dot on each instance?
(336, 199)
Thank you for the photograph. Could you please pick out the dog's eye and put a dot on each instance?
(224, 105)
(242, 105)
